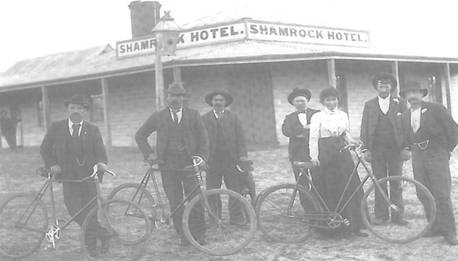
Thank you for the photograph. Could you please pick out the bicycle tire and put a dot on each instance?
(247, 209)
(40, 235)
(108, 224)
(147, 201)
(303, 235)
(398, 238)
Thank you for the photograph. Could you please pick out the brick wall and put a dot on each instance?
(260, 92)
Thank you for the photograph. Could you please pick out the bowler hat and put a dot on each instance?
(226, 95)
(77, 99)
(385, 78)
(413, 86)
(299, 92)
(176, 88)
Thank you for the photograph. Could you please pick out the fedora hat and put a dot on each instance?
(385, 78)
(77, 99)
(299, 92)
(413, 87)
(176, 88)
(226, 95)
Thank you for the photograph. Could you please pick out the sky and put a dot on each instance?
(31, 28)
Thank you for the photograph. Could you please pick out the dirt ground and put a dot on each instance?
(271, 167)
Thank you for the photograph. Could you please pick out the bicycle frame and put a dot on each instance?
(342, 205)
(56, 227)
(149, 175)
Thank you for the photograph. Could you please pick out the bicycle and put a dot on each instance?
(30, 224)
(216, 225)
(285, 218)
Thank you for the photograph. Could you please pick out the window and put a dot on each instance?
(96, 110)
(434, 89)
(342, 88)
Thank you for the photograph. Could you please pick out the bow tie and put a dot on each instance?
(300, 112)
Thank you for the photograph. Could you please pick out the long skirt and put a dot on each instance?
(335, 170)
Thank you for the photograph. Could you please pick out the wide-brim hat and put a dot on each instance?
(176, 88)
(413, 87)
(385, 78)
(226, 95)
(299, 92)
(77, 99)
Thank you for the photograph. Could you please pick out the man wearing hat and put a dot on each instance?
(296, 127)
(381, 134)
(431, 134)
(227, 148)
(70, 149)
(181, 137)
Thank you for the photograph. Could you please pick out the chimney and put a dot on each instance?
(144, 15)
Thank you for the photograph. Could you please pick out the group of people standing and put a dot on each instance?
(390, 132)
(393, 129)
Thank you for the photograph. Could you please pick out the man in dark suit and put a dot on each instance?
(381, 133)
(181, 136)
(431, 134)
(296, 127)
(71, 148)
(227, 148)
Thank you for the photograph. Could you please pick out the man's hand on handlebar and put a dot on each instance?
(55, 170)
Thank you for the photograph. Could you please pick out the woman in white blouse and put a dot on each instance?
(329, 133)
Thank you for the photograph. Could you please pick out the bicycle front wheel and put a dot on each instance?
(404, 214)
(127, 232)
(23, 225)
(286, 213)
(135, 193)
(222, 230)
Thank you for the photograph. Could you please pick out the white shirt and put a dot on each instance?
(179, 114)
(303, 118)
(70, 127)
(384, 104)
(218, 115)
(324, 124)
(415, 118)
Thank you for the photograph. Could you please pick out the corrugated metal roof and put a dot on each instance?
(102, 61)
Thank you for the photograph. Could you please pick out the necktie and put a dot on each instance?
(175, 116)
(76, 128)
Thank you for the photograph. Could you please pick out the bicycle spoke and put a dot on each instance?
(392, 220)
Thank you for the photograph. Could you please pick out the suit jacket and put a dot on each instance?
(298, 148)
(54, 149)
(436, 125)
(194, 133)
(370, 120)
(234, 137)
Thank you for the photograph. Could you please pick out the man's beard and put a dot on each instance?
(76, 117)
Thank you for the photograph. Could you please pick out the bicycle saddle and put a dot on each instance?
(301, 164)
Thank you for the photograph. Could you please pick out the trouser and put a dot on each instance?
(431, 168)
(76, 196)
(10, 138)
(174, 181)
(387, 163)
(223, 167)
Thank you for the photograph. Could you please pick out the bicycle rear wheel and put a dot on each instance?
(286, 213)
(224, 235)
(129, 233)
(393, 221)
(23, 226)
